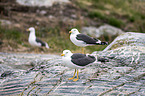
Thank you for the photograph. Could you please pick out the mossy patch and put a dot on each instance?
(56, 39)
(127, 14)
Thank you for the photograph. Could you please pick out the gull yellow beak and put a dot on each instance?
(62, 54)
(27, 30)
(70, 31)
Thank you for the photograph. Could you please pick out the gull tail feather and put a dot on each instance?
(102, 43)
(46, 45)
(99, 42)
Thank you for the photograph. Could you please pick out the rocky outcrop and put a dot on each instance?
(104, 30)
(35, 74)
(5, 22)
(127, 49)
(40, 3)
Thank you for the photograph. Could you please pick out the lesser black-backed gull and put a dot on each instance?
(76, 61)
(84, 40)
(34, 41)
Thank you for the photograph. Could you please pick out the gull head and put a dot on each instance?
(31, 29)
(74, 31)
(66, 53)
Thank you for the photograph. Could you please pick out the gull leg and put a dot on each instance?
(77, 76)
(73, 76)
(83, 50)
(36, 50)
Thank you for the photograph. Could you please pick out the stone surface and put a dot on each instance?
(40, 3)
(36, 74)
(5, 22)
(102, 30)
(128, 49)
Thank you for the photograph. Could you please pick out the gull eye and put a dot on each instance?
(74, 30)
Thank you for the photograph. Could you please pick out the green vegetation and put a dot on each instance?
(12, 35)
(110, 20)
(57, 40)
(125, 14)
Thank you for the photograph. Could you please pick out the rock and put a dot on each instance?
(103, 59)
(40, 3)
(122, 74)
(43, 12)
(6, 73)
(102, 30)
(5, 22)
(128, 49)
(1, 60)
(129, 39)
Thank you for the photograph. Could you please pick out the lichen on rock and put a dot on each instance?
(127, 49)
(102, 30)
(40, 3)
(124, 74)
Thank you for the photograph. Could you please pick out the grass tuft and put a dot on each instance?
(96, 14)
(122, 14)
(57, 40)
(115, 22)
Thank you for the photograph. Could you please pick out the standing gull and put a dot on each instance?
(76, 61)
(34, 41)
(84, 40)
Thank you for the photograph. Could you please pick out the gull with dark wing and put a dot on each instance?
(84, 40)
(76, 61)
(34, 41)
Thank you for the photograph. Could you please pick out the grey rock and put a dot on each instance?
(6, 73)
(43, 12)
(127, 49)
(129, 39)
(123, 74)
(5, 22)
(102, 30)
(40, 3)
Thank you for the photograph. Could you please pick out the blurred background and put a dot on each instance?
(53, 19)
